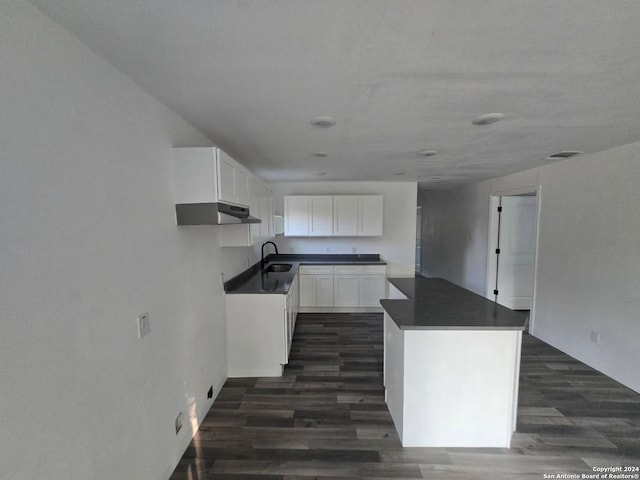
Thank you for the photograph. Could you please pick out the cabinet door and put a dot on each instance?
(264, 211)
(308, 296)
(254, 209)
(324, 290)
(346, 290)
(270, 226)
(345, 215)
(227, 179)
(370, 219)
(195, 175)
(242, 186)
(296, 216)
(320, 215)
(371, 290)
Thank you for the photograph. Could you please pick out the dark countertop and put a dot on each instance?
(256, 280)
(435, 304)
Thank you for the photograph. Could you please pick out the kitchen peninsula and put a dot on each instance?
(451, 365)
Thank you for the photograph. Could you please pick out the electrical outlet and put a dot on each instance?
(353, 250)
(328, 249)
(144, 328)
(595, 337)
(178, 422)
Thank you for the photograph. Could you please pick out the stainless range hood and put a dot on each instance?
(213, 214)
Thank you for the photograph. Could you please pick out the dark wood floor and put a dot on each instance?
(326, 418)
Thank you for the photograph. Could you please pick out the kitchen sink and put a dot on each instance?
(278, 267)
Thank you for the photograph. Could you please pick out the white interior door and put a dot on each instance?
(517, 252)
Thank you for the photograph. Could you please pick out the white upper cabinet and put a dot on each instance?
(195, 175)
(320, 216)
(308, 216)
(242, 186)
(227, 178)
(296, 216)
(233, 181)
(270, 214)
(345, 215)
(370, 215)
(266, 212)
(254, 209)
(333, 215)
(209, 175)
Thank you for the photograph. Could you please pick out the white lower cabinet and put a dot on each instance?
(259, 332)
(341, 287)
(361, 286)
(346, 290)
(316, 286)
(324, 290)
(372, 289)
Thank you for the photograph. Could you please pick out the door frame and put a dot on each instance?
(418, 250)
(494, 201)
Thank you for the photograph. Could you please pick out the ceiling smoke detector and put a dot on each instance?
(323, 122)
(564, 154)
(488, 119)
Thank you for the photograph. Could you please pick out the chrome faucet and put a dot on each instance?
(262, 252)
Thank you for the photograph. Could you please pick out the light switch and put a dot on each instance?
(143, 325)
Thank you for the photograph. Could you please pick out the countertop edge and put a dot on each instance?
(401, 311)
(296, 260)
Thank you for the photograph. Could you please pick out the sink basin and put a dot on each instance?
(278, 267)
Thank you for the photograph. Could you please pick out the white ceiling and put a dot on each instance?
(398, 76)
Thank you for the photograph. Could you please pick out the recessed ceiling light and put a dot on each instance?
(428, 153)
(319, 154)
(320, 174)
(400, 173)
(565, 154)
(488, 119)
(323, 122)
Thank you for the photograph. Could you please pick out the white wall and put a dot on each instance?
(89, 241)
(588, 268)
(396, 246)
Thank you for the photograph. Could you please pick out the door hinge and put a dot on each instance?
(497, 251)
(495, 292)
(499, 209)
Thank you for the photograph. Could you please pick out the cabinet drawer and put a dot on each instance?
(359, 269)
(316, 270)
